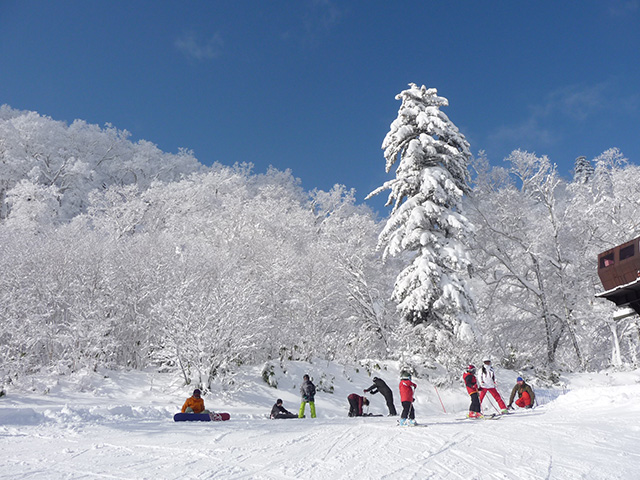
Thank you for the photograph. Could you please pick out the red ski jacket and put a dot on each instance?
(470, 382)
(406, 390)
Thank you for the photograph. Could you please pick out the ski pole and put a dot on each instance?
(492, 402)
(443, 409)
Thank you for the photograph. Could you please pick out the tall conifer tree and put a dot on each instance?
(426, 219)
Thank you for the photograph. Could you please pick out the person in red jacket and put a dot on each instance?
(470, 381)
(408, 416)
(356, 402)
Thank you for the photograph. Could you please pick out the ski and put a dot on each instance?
(493, 416)
(410, 425)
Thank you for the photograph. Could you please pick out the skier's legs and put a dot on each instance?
(412, 412)
(483, 392)
(406, 407)
(475, 403)
(496, 395)
(524, 400)
(303, 405)
(390, 405)
(312, 407)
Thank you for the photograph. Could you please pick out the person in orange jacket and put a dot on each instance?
(194, 404)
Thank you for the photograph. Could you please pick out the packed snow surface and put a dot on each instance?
(120, 425)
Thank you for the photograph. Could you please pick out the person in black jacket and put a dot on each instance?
(278, 411)
(308, 393)
(380, 386)
(356, 402)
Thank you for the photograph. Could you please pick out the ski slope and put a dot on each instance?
(119, 425)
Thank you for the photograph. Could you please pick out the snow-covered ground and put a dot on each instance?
(119, 425)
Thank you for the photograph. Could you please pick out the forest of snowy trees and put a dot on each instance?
(116, 254)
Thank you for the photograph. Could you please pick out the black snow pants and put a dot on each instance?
(475, 403)
(388, 396)
(407, 410)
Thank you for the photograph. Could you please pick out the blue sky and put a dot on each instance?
(310, 84)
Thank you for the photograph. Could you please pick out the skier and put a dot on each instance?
(278, 411)
(470, 381)
(488, 384)
(194, 404)
(308, 392)
(379, 385)
(355, 404)
(408, 415)
(525, 393)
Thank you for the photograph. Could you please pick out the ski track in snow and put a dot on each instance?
(589, 433)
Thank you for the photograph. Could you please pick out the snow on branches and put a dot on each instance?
(426, 219)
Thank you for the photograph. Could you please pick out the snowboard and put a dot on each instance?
(201, 417)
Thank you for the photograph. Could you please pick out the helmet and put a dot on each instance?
(519, 379)
(486, 359)
(471, 369)
(375, 379)
(196, 393)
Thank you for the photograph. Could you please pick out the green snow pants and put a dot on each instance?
(312, 407)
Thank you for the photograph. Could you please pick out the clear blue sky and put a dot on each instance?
(310, 84)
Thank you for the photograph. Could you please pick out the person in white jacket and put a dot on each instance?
(488, 383)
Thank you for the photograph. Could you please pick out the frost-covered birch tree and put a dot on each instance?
(426, 221)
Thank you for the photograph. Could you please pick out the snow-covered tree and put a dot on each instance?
(583, 170)
(426, 220)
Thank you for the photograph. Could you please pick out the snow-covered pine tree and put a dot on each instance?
(426, 218)
(583, 171)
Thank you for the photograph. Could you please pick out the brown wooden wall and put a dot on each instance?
(620, 265)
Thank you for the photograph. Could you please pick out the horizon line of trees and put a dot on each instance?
(117, 254)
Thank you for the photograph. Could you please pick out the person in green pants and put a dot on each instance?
(308, 392)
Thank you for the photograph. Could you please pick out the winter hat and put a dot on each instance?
(519, 379)
(278, 401)
(196, 393)
(486, 359)
(471, 368)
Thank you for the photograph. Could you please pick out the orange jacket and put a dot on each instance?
(197, 404)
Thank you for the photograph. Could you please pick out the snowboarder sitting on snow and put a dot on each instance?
(308, 392)
(380, 386)
(470, 381)
(525, 394)
(488, 384)
(194, 404)
(355, 404)
(408, 415)
(278, 411)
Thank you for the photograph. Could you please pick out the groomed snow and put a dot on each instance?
(119, 425)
